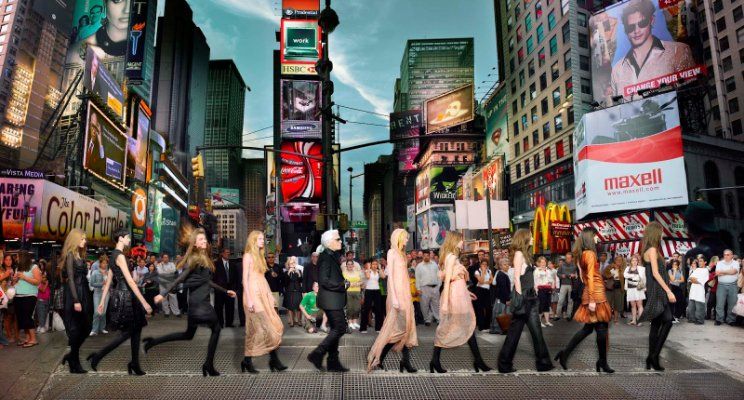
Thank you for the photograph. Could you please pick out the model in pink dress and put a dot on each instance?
(457, 318)
(399, 329)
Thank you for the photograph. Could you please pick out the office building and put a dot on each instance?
(232, 228)
(253, 192)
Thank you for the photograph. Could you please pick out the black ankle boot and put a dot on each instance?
(316, 358)
(247, 365)
(274, 363)
(334, 364)
(383, 354)
(478, 363)
(133, 368)
(208, 369)
(405, 362)
(602, 347)
(94, 360)
(434, 364)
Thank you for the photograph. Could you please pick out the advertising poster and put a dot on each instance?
(13, 193)
(443, 183)
(98, 80)
(613, 175)
(406, 124)
(224, 197)
(299, 212)
(300, 9)
(422, 228)
(642, 44)
(301, 177)
(138, 29)
(168, 230)
(299, 239)
(137, 146)
(300, 113)
(450, 109)
(58, 12)
(411, 217)
(155, 218)
(495, 112)
(105, 147)
(433, 225)
(300, 46)
(89, 31)
(423, 189)
(139, 213)
(493, 177)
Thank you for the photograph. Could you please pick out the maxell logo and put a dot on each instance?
(629, 181)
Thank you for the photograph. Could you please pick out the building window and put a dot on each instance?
(723, 43)
(536, 160)
(721, 25)
(522, 99)
(513, 87)
(546, 154)
(736, 127)
(586, 86)
(727, 64)
(531, 68)
(516, 150)
(566, 32)
(584, 63)
(521, 78)
(533, 91)
(535, 117)
(530, 45)
(4, 28)
(540, 33)
(569, 87)
(546, 130)
(559, 150)
(543, 81)
(515, 128)
(554, 71)
(717, 5)
(556, 97)
(730, 84)
(520, 54)
(570, 113)
(519, 171)
(525, 122)
(9, 8)
(553, 45)
(535, 138)
(541, 57)
(525, 144)
(582, 19)
(551, 20)
(538, 10)
(544, 106)
(527, 22)
(734, 105)
(740, 35)
(514, 107)
(737, 14)
(567, 60)
(565, 4)
(583, 41)
(526, 166)
(558, 122)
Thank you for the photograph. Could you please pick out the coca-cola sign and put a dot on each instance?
(301, 177)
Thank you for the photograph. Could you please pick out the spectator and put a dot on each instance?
(555, 294)
(372, 297)
(167, 274)
(151, 286)
(310, 273)
(567, 276)
(415, 294)
(42, 303)
(482, 303)
(97, 281)
(428, 283)
(308, 307)
(293, 291)
(614, 283)
(699, 275)
(635, 288)
(502, 292)
(604, 261)
(226, 276)
(275, 278)
(710, 287)
(140, 271)
(350, 257)
(544, 282)
(676, 283)
(27, 279)
(353, 293)
(9, 321)
(727, 271)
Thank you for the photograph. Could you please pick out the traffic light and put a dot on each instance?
(197, 165)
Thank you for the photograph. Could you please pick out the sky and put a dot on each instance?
(366, 51)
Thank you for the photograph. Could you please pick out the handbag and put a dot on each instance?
(641, 285)
(120, 307)
(609, 284)
(504, 321)
(517, 306)
(58, 324)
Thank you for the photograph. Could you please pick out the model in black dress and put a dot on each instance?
(197, 278)
(78, 303)
(130, 320)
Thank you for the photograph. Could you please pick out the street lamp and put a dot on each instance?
(351, 179)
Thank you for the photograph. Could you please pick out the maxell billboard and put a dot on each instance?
(629, 157)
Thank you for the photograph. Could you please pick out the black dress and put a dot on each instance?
(656, 298)
(77, 324)
(293, 291)
(198, 281)
(136, 318)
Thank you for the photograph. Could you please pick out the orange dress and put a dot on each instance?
(399, 327)
(594, 291)
(457, 318)
(263, 327)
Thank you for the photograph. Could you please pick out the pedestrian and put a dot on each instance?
(27, 279)
(310, 273)
(309, 308)
(555, 293)
(225, 276)
(97, 280)
(594, 311)
(353, 293)
(482, 303)
(635, 288)
(275, 277)
(544, 282)
(167, 274)
(372, 297)
(659, 296)
(293, 290)
(696, 302)
(128, 307)
(727, 271)
(428, 282)
(151, 285)
(614, 283)
(524, 307)
(415, 294)
(263, 327)
(399, 328)
(457, 325)
(78, 303)
(42, 303)
(568, 276)
(677, 284)
(502, 290)
(10, 322)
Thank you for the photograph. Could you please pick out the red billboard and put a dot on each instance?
(301, 177)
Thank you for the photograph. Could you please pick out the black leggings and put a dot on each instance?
(660, 327)
(483, 307)
(509, 348)
(189, 334)
(133, 335)
(372, 302)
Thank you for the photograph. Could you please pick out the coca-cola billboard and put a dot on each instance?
(301, 177)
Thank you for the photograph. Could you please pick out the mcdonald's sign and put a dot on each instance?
(548, 220)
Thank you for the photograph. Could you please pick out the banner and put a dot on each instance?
(561, 236)
(629, 157)
(155, 218)
(299, 212)
(542, 233)
(433, 225)
(411, 217)
(493, 177)
(139, 214)
(643, 44)
(402, 125)
(105, 147)
(494, 109)
(301, 177)
(109, 42)
(98, 80)
(299, 46)
(137, 145)
(673, 224)
(443, 182)
(300, 114)
(136, 47)
(303, 9)
(623, 227)
(57, 12)
(225, 197)
(168, 231)
(449, 109)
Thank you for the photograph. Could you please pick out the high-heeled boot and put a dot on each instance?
(661, 337)
(602, 348)
(405, 361)
(247, 365)
(274, 363)
(434, 364)
(73, 363)
(578, 337)
(383, 354)
(478, 363)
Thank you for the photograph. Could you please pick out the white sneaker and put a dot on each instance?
(104, 331)
(93, 334)
(42, 330)
(542, 325)
(549, 324)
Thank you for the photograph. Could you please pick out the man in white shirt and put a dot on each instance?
(427, 281)
(167, 274)
(727, 271)
(696, 297)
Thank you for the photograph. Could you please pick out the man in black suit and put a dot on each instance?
(310, 273)
(332, 300)
(226, 275)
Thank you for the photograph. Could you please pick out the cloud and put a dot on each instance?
(263, 9)
(222, 40)
(344, 72)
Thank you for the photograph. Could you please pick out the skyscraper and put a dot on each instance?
(253, 192)
(224, 124)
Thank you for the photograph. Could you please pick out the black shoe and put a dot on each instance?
(405, 362)
(134, 369)
(148, 344)
(230, 326)
(562, 359)
(732, 324)
(316, 358)
(718, 323)
(247, 365)
(506, 370)
(602, 364)
(209, 370)
(75, 367)
(275, 364)
(335, 366)
(94, 360)
(479, 365)
(545, 367)
(436, 367)
(653, 362)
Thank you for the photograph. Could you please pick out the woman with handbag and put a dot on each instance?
(635, 288)
(593, 312)
(78, 302)
(127, 306)
(524, 307)
(456, 315)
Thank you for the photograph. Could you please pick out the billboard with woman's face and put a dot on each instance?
(102, 25)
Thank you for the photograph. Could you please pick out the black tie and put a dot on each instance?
(227, 271)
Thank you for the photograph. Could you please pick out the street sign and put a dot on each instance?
(358, 225)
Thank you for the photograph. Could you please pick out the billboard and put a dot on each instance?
(155, 218)
(58, 12)
(98, 80)
(301, 177)
(139, 213)
(406, 124)
(432, 226)
(302, 9)
(443, 182)
(135, 53)
(102, 26)
(137, 145)
(224, 197)
(105, 147)
(642, 44)
(299, 212)
(630, 157)
(496, 124)
(449, 109)
(300, 113)
(493, 177)
(300, 46)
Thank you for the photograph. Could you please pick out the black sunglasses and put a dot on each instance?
(640, 24)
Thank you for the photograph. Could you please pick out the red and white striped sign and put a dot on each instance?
(624, 227)
(626, 249)
(669, 247)
(673, 224)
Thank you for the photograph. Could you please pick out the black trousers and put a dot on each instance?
(134, 335)
(183, 301)
(189, 334)
(372, 302)
(337, 326)
(225, 307)
(660, 327)
(679, 307)
(532, 320)
(483, 308)
(241, 311)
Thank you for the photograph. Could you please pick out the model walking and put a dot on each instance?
(198, 270)
(78, 300)
(524, 307)
(659, 296)
(127, 308)
(399, 329)
(263, 327)
(457, 317)
(594, 311)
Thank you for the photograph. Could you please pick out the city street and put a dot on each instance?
(697, 367)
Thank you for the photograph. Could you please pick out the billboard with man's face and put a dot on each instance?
(496, 124)
(98, 80)
(643, 44)
(105, 147)
(450, 109)
(300, 114)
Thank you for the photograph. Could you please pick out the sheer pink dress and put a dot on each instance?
(457, 318)
(400, 324)
(263, 327)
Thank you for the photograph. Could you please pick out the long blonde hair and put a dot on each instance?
(521, 242)
(398, 241)
(251, 247)
(71, 246)
(450, 246)
(195, 256)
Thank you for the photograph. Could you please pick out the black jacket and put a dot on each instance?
(309, 276)
(221, 278)
(276, 283)
(332, 291)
